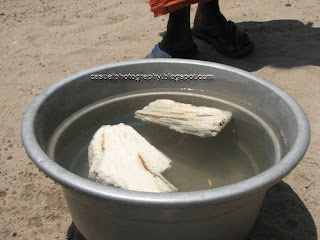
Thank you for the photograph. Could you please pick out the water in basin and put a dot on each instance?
(244, 148)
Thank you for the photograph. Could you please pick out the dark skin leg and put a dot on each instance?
(208, 13)
(178, 33)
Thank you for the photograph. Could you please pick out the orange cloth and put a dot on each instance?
(162, 7)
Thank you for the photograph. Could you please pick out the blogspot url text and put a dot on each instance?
(150, 77)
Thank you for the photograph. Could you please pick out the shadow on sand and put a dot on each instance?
(282, 216)
(278, 43)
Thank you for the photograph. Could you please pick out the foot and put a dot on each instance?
(175, 53)
(180, 39)
(177, 41)
(210, 25)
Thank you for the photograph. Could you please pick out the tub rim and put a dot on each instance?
(259, 182)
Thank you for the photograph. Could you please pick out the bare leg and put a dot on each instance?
(208, 13)
(178, 33)
(229, 42)
(224, 35)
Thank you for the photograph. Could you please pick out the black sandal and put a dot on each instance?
(241, 45)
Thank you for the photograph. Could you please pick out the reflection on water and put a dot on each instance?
(243, 149)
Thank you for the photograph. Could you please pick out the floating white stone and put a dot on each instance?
(121, 157)
(185, 118)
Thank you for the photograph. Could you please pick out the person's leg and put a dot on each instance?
(208, 13)
(209, 25)
(212, 26)
(178, 35)
(178, 40)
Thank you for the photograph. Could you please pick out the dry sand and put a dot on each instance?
(43, 41)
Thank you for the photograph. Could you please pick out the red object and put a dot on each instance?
(162, 7)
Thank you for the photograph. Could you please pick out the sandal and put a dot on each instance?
(241, 45)
(176, 53)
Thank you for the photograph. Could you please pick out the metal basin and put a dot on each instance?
(227, 211)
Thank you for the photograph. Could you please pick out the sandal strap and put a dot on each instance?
(176, 53)
(157, 53)
(230, 30)
(241, 44)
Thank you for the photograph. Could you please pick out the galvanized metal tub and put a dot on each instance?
(103, 212)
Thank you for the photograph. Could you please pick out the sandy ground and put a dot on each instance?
(43, 41)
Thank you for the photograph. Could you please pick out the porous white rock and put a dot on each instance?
(185, 118)
(121, 157)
